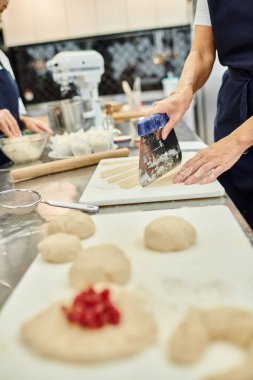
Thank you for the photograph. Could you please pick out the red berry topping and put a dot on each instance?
(92, 309)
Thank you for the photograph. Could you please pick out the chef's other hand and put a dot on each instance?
(35, 125)
(8, 124)
(210, 162)
(175, 107)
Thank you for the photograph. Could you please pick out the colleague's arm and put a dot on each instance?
(35, 125)
(196, 71)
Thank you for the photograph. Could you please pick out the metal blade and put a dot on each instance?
(157, 156)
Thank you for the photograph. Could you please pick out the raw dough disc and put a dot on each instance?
(169, 233)
(73, 222)
(60, 247)
(101, 263)
(50, 334)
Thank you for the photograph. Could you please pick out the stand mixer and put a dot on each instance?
(81, 70)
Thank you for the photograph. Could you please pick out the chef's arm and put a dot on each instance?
(196, 71)
(199, 62)
(209, 163)
(243, 135)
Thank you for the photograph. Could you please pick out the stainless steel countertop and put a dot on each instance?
(19, 234)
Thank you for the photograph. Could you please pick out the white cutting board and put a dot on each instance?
(100, 192)
(217, 270)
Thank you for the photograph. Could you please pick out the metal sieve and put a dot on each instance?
(24, 201)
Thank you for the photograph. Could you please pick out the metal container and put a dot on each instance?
(67, 115)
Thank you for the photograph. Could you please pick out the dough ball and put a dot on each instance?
(169, 233)
(59, 248)
(72, 222)
(102, 263)
(189, 340)
(50, 334)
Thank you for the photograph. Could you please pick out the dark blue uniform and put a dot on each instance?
(9, 95)
(232, 24)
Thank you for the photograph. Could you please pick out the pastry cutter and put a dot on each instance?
(157, 156)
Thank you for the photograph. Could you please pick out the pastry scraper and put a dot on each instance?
(157, 156)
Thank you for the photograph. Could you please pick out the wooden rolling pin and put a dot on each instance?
(29, 172)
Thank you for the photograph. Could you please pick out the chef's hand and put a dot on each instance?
(175, 107)
(35, 125)
(210, 162)
(8, 124)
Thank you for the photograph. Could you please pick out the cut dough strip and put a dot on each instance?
(121, 176)
(117, 170)
(129, 182)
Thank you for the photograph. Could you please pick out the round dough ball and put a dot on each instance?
(60, 248)
(169, 233)
(102, 263)
(50, 333)
(72, 222)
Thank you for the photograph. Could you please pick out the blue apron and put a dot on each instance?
(232, 25)
(9, 95)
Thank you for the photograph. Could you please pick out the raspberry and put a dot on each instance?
(92, 309)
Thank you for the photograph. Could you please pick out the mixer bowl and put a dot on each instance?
(67, 115)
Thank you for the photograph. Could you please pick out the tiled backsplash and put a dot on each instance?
(126, 56)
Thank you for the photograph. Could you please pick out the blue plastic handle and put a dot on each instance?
(152, 123)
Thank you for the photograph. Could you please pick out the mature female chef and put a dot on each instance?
(225, 26)
(12, 110)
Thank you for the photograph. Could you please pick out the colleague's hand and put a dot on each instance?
(35, 125)
(8, 124)
(210, 162)
(175, 107)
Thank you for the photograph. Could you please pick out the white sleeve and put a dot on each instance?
(21, 106)
(6, 64)
(202, 16)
